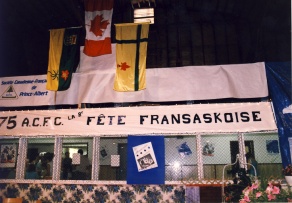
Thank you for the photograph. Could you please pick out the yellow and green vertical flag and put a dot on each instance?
(131, 52)
(64, 56)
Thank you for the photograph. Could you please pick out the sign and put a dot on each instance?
(163, 84)
(145, 156)
(202, 118)
(146, 160)
(25, 91)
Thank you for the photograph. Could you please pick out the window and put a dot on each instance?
(184, 159)
(8, 158)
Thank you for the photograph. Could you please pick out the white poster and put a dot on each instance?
(8, 155)
(145, 157)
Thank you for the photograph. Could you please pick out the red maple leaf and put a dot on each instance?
(124, 66)
(65, 74)
(98, 24)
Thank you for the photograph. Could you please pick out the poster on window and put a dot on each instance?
(272, 147)
(184, 150)
(208, 149)
(8, 155)
(145, 157)
(145, 160)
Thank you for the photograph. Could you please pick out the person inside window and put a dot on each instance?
(31, 172)
(49, 164)
(252, 171)
(82, 168)
(67, 166)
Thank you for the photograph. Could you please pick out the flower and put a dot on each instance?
(287, 171)
(258, 194)
(271, 193)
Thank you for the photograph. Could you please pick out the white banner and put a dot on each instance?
(163, 84)
(203, 118)
(25, 91)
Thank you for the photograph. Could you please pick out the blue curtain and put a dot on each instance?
(279, 84)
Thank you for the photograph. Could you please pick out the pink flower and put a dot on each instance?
(271, 197)
(269, 189)
(254, 194)
(276, 190)
(246, 198)
(247, 191)
(254, 186)
(258, 194)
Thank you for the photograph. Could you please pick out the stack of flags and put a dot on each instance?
(64, 54)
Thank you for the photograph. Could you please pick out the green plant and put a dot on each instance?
(271, 193)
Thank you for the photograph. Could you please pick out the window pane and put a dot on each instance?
(8, 158)
(109, 147)
(40, 154)
(76, 159)
(180, 158)
(267, 154)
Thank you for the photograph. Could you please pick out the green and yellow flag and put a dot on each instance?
(64, 56)
(131, 52)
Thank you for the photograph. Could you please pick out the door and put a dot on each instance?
(234, 150)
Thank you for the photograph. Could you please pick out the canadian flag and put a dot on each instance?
(98, 17)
